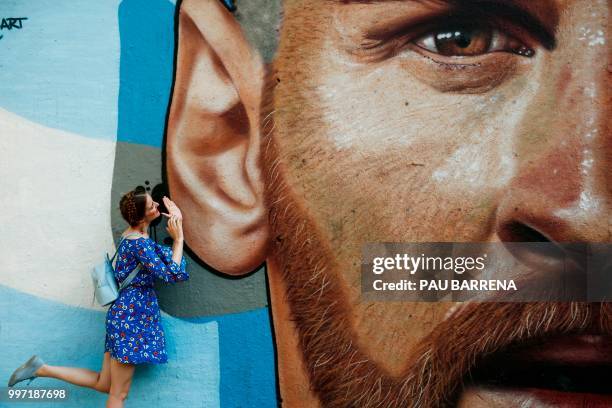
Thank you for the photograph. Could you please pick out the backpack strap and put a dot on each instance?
(126, 281)
(130, 277)
(132, 274)
(117, 250)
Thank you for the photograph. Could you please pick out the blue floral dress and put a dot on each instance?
(134, 332)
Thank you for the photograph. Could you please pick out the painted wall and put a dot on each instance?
(85, 93)
(368, 121)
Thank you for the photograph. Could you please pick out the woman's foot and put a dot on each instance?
(27, 371)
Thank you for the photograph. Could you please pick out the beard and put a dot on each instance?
(340, 372)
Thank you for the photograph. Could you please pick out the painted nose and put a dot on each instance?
(561, 193)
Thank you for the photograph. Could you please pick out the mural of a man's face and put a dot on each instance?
(399, 121)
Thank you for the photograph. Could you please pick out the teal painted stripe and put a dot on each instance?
(73, 336)
(61, 69)
(248, 377)
(98, 69)
(146, 30)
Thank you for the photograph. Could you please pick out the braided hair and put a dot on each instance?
(132, 205)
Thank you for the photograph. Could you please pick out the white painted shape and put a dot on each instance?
(55, 217)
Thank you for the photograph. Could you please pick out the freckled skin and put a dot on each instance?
(512, 152)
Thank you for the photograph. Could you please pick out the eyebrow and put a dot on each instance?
(540, 17)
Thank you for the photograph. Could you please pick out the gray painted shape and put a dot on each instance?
(206, 293)
(260, 21)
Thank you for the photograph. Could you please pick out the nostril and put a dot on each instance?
(515, 231)
(556, 268)
(530, 246)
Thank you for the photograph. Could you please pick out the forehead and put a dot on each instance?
(546, 11)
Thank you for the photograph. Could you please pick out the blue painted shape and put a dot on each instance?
(73, 336)
(229, 4)
(248, 377)
(62, 68)
(147, 52)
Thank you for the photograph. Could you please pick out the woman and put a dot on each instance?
(134, 334)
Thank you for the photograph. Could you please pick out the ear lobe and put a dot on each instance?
(212, 144)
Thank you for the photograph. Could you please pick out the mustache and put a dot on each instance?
(478, 330)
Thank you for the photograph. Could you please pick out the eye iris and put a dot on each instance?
(463, 41)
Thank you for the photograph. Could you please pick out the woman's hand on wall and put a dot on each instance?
(173, 209)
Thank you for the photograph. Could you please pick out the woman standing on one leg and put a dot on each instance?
(134, 333)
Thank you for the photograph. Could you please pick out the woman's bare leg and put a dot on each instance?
(121, 380)
(84, 377)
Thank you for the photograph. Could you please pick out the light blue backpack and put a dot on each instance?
(106, 289)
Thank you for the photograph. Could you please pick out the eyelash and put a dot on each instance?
(498, 41)
(421, 37)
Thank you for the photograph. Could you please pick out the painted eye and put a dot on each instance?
(471, 41)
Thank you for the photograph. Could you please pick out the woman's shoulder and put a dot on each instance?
(132, 236)
(134, 242)
(135, 238)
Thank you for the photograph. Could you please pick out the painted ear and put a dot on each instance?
(212, 143)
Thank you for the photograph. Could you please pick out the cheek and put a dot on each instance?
(396, 163)
(377, 155)
(380, 157)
